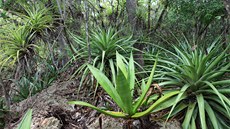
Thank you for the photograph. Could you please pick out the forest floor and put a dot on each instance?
(51, 111)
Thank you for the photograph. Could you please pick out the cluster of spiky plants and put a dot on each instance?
(104, 45)
(201, 77)
(37, 18)
(16, 44)
(192, 84)
(17, 41)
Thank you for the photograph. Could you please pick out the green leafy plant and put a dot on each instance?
(28, 86)
(37, 17)
(202, 80)
(16, 44)
(23, 88)
(104, 44)
(17, 41)
(121, 90)
(26, 120)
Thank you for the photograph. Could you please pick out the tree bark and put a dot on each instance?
(159, 21)
(63, 40)
(226, 31)
(149, 14)
(6, 93)
(87, 29)
(131, 7)
(227, 6)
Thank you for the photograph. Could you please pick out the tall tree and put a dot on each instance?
(4, 88)
(131, 7)
(159, 20)
(87, 29)
(63, 39)
(227, 6)
(149, 14)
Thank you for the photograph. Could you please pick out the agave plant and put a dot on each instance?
(203, 82)
(121, 90)
(16, 44)
(104, 44)
(37, 17)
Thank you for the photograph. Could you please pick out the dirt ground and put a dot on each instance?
(51, 111)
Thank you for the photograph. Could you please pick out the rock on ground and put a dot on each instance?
(50, 108)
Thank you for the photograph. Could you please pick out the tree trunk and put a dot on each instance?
(159, 21)
(227, 6)
(63, 40)
(87, 30)
(226, 31)
(6, 93)
(149, 14)
(131, 7)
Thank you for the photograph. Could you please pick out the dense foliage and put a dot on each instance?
(100, 42)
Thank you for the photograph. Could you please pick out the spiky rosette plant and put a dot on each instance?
(37, 17)
(104, 44)
(121, 89)
(202, 79)
(16, 44)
